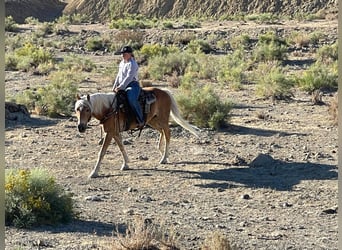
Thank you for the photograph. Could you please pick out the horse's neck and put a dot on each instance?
(101, 103)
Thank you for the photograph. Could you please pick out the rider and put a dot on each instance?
(127, 80)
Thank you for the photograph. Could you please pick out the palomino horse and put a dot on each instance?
(99, 105)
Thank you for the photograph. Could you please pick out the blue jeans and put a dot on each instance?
(133, 92)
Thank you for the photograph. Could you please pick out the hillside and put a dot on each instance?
(99, 10)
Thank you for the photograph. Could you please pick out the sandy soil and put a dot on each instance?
(264, 183)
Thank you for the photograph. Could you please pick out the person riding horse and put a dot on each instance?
(127, 80)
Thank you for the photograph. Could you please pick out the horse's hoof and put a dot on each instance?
(124, 167)
(93, 175)
(163, 161)
(101, 141)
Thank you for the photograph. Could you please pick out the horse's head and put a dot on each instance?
(83, 111)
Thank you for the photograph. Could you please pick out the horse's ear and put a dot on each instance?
(88, 98)
(78, 97)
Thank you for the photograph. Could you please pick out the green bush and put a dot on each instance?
(152, 50)
(197, 46)
(319, 76)
(33, 198)
(241, 41)
(268, 18)
(54, 99)
(31, 20)
(28, 57)
(270, 47)
(272, 81)
(10, 24)
(204, 67)
(160, 66)
(327, 53)
(132, 22)
(76, 64)
(233, 69)
(94, 44)
(202, 106)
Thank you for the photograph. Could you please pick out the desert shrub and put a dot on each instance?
(160, 66)
(272, 81)
(46, 28)
(268, 18)
(11, 62)
(299, 39)
(10, 24)
(201, 105)
(197, 46)
(132, 22)
(204, 67)
(134, 38)
(27, 57)
(188, 24)
(167, 25)
(327, 53)
(76, 18)
(76, 64)
(94, 43)
(33, 198)
(31, 20)
(55, 98)
(216, 241)
(318, 76)
(241, 41)
(270, 47)
(45, 68)
(151, 50)
(235, 17)
(232, 70)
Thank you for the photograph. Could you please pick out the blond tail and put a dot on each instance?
(175, 114)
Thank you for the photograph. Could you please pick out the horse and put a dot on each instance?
(113, 121)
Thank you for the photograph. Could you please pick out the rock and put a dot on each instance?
(262, 160)
(245, 197)
(93, 198)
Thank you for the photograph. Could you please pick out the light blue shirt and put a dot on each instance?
(128, 72)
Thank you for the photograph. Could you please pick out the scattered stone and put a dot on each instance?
(330, 211)
(129, 211)
(93, 198)
(245, 197)
(143, 158)
(286, 204)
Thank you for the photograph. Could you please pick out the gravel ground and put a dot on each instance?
(268, 181)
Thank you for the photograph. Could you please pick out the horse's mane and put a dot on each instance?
(98, 101)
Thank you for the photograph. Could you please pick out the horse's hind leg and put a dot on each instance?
(107, 140)
(164, 140)
(118, 141)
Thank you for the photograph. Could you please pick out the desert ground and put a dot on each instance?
(267, 181)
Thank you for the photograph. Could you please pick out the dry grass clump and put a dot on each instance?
(333, 109)
(216, 241)
(142, 234)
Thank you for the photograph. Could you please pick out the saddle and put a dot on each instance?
(146, 98)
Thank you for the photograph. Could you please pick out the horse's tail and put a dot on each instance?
(175, 114)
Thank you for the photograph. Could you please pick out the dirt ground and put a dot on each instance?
(268, 181)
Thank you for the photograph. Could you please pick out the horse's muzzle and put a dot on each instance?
(82, 128)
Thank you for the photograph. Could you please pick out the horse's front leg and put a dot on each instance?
(118, 141)
(107, 140)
